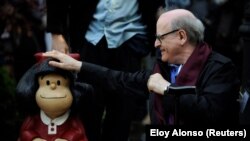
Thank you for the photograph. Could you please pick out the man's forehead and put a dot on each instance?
(177, 12)
(163, 23)
(172, 14)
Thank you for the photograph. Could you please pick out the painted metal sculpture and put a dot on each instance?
(49, 95)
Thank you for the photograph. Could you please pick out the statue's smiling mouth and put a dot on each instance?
(52, 97)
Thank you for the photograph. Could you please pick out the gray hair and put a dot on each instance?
(193, 27)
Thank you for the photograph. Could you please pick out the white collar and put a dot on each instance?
(58, 121)
(179, 69)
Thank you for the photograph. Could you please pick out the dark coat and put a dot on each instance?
(214, 103)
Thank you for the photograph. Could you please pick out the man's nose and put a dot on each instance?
(157, 43)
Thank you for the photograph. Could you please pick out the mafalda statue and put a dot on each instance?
(49, 96)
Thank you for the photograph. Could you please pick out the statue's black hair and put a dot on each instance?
(28, 85)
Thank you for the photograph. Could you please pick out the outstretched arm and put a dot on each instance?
(134, 84)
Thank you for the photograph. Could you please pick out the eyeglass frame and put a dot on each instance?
(159, 37)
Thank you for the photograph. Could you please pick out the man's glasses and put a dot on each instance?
(160, 37)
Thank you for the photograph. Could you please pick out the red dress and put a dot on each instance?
(72, 130)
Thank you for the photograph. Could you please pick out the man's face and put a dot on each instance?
(53, 95)
(167, 42)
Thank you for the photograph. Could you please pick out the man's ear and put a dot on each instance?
(182, 36)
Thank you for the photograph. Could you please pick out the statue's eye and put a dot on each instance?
(58, 82)
(48, 82)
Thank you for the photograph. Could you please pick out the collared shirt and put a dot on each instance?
(175, 69)
(117, 20)
(52, 124)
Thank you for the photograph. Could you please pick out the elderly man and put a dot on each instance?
(180, 40)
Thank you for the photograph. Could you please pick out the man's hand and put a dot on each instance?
(156, 83)
(59, 43)
(66, 62)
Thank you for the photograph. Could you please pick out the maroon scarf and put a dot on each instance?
(195, 63)
(187, 76)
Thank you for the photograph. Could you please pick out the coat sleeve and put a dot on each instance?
(134, 84)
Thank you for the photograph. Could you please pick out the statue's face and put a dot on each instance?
(53, 95)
